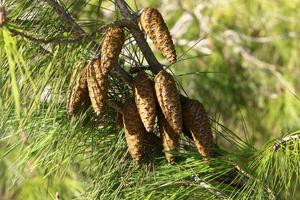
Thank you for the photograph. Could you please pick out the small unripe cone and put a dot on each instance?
(111, 48)
(134, 131)
(97, 86)
(79, 95)
(196, 121)
(145, 100)
(168, 99)
(2, 16)
(153, 24)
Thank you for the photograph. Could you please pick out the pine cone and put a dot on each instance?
(134, 131)
(145, 100)
(79, 95)
(195, 120)
(111, 48)
(168, 99)
(169, 138)
(155, 27)
(98, 86)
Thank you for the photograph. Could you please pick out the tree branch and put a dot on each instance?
(115, 105)
(75, 27)
(45, 40)
(135, 70)
(206, 186)
(66, 17)
(284, 140)
(60, 40)
(122, 74)
(139, 37)
(117, 23)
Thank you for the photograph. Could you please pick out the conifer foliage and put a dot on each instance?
(120, 125)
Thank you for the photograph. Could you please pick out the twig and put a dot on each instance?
(284, 140)
(135, 70)
(60, 40)
(139, 37)
(237, 169)
(117, 23)
(2, 15)
(115, 105)
(75, 27)
(122, 74)
(203, 185)
(66, 17)
(45, 40)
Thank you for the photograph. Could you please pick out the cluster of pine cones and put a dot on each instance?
(155, 101)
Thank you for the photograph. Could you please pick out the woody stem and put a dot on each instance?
(139, 37)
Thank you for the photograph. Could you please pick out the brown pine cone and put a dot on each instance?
(98, 86)
(196, 121)
(153, 24)
(169, 138)
(79, 95)
(145, 100)
(168, 99)
(134, 131)
(111, 48)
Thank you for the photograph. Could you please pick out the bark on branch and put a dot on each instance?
(122, 74)
(139, 37)
(80, 38)
(282, 142)
(76, 28)
(56, 40)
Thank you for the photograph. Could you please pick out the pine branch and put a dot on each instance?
(76, 28)
(81, 38)
(117, 23)
(45, 40)
(122, 74)
(135, 70)
(139, 37)
(205, 186)
(282, 142)
(113, 104)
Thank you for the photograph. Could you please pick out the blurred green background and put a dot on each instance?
(239, 58)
